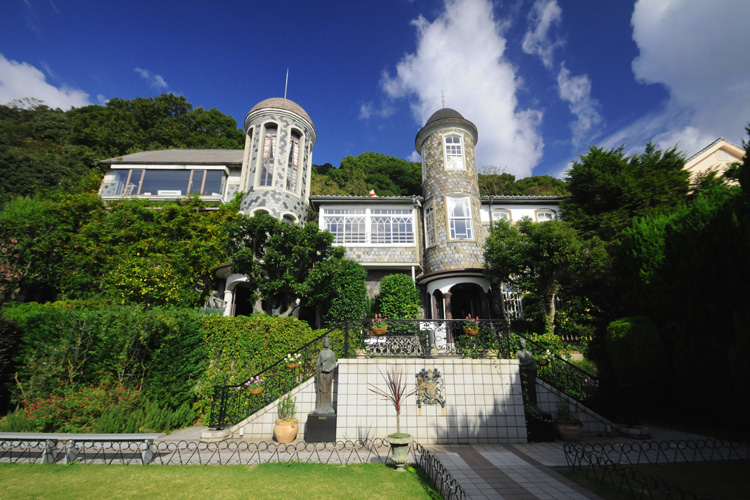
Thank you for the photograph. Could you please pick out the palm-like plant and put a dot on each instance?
(395, 392)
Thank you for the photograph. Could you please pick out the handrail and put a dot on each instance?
(232, 403)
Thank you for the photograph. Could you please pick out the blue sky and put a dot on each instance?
(542, 80)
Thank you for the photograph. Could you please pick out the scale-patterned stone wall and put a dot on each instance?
(277, 200)
(448, 254)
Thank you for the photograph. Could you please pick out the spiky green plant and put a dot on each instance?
(395, 392)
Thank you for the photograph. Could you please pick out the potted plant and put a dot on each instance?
(378, 327)
(395, 393)
(569, 428)
(287, 425)
(292, 360)
(255, 385)
(471, 325)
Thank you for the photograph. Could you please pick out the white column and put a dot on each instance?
(228, 301)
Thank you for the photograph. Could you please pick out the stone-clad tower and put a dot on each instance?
(453, 251)
(277, 162)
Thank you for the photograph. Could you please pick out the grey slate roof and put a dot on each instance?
(180, 156)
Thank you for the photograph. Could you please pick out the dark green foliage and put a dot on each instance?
(608, 189)
(399, 297)
(70, 246)
(339, 290)
(387, 175)
(542, 258)
(636, 353)
(50, 149)
(278, 258)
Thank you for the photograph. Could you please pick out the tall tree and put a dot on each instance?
(608, 189)
(541, 258)
(278, 258)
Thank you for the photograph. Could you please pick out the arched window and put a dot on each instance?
(454, 152)
(499, 214)
(545, 214)
(292, 171)
(269, 156)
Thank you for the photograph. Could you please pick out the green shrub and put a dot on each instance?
(636, 353)
(399, 299)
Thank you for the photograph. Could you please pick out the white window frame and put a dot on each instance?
(370, 226)
(455, 232)
(453, 148)
(545, 214)
(134, 187)
(429, 225)
(498, 214)
(268, 155)
(293, 163)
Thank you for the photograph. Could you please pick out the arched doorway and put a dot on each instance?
(467, 298)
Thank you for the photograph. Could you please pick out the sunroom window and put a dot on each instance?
(375, 226)
(166, 182)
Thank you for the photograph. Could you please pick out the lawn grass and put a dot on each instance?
(715, 480)
(266, 481)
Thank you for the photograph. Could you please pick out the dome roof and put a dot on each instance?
(442, 119)
(281, 103)
(444, 113)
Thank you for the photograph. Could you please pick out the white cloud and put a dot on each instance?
(154, 81)
(697, 50)
(461, 53)
(20, 79)
(576, 90)
(368, 110)
(538, 40)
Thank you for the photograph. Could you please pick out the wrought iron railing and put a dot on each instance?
(398, 338)
(612, 463)
(557, 371)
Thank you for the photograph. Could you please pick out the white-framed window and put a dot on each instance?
(429, 226)
(459, 218)
(165, 182)
(292, 170)
(545, 214)
(269, 156)
(369, 226)
(454, 152)
(499, 214)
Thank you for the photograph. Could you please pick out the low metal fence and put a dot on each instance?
(612, 463)
(230, 453)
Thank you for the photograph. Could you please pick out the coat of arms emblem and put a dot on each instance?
(430, 390)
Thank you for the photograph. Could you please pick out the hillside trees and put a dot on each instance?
(45, 148)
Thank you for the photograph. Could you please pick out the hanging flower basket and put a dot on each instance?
(471, 331)
(292, 366)
(379, 330)
(255, 391)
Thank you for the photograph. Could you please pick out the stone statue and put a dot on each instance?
(324, 379)
(528, 374)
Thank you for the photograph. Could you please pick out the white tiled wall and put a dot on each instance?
(483, 403)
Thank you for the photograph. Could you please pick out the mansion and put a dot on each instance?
(436, 238)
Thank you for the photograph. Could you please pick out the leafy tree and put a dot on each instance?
(278, 258)
(608, 189)
(541, 185)
(399, 297)
(338, 290)
(387, 175)
(541, 258)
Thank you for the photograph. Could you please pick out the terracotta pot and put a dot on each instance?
(542, 362)
(399, 450)
(292, 366)
(569, 431)
(255, 390)
(379, 330)
(285, 431)
(471, 331)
